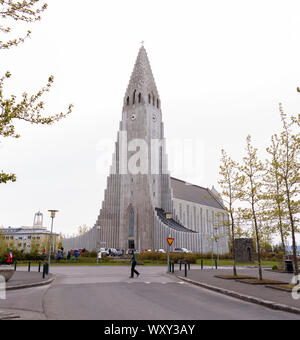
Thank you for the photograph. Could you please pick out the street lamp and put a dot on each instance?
(52, 215)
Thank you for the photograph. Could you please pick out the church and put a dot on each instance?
(143, 205)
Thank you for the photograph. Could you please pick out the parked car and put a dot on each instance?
(162, 251)
(182, 250)
(115, 252)
(104, 251)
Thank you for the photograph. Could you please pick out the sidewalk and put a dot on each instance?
(252, 293)
(22, 280)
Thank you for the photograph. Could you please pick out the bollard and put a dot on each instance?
(16, 266)
(201, 264)
(173, 269)
(39, 266)
(180, 265)
(216, 263)
(185, 270)
(29, 265)
(44, 270)
(189, 266)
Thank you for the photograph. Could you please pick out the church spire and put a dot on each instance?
(142, 87)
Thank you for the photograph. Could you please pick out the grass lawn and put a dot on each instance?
(125, 262)
(256, 281)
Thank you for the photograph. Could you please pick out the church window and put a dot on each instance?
(149, 98)
(140, 97)
(134, 93)
(153, 101)
(158, 103)
(131, 223)
(128, 101)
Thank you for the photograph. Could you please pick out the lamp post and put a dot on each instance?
(52, 215)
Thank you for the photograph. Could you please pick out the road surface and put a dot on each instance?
(107, 293)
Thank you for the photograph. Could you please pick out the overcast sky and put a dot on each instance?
(221, 68)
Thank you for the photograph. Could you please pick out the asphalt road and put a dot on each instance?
(107, 293)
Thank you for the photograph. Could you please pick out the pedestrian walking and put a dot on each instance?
(9, 257)
(43, 255)
(76, 254)
(69, 256)
(59, 255)
(133, 265)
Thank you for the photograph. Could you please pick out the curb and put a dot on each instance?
(8, 316)
(32, 285)
(251, 299)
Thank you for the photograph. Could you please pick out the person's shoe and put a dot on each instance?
(137, 275)
(131, 277)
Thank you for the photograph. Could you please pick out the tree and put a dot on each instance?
(83, 229)
(274, 185)
(29, 108)
(251, 171)
(289, 172)
(231, 184)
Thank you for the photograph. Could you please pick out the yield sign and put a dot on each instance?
(170, 241)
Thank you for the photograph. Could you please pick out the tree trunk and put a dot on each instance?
(258, 243)
(233, 245)
(296, 270)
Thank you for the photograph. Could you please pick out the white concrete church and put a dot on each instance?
(143, 205)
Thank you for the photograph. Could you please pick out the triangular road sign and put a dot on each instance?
(170, 241)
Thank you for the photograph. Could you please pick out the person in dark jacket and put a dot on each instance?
(133, 264)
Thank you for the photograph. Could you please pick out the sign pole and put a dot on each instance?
(170, 242)
(169, 258)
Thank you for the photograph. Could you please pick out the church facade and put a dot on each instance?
(143, 205)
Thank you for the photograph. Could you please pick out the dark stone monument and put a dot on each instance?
(244, 250)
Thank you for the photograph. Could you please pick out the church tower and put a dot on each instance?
(142, 205)
(139, 182)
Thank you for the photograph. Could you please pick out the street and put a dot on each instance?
(107, 293)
